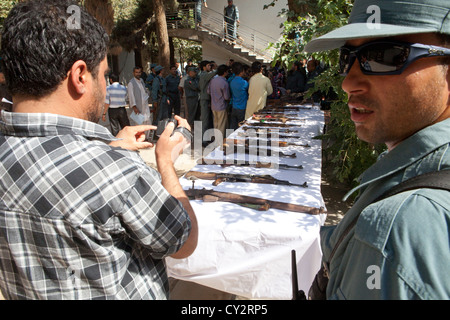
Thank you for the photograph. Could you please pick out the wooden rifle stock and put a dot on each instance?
(252, 202)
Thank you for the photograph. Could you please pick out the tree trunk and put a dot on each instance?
(103, 11)
(302, 7)
(172, 51)
(162, 35)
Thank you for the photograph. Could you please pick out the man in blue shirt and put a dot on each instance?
(397, 82)
(239, 93)
(115, 102)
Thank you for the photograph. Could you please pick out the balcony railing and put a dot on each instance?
(214, 22)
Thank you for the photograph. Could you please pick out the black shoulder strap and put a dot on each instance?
(432, 180)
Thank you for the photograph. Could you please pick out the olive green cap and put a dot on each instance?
(387, 18)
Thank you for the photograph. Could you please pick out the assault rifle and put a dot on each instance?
(233, 177)
(264, 131)
(275, 119)
(251, 164)
(281, 144)
(233, 148)
(249, 202)
(265, 135)
(269, 124)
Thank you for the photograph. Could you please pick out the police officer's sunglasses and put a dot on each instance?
(386, 57)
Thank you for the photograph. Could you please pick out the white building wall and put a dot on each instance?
(252, 16)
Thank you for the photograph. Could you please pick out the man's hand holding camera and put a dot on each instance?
(174, 136)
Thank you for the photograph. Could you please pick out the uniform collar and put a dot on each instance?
(406, 153)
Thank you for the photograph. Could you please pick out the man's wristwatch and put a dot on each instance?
(185, 132)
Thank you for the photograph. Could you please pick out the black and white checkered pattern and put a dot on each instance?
(78, 218)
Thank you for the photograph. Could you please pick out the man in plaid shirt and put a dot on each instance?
(81, 215)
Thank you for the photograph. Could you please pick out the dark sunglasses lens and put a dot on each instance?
(383, 57)
(344, 61)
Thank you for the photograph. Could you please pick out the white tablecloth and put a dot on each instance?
(247, 252)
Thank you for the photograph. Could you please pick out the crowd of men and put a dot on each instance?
(220, 97)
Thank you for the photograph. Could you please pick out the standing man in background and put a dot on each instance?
(115, 102)
(172, 84)
(205, 77)
(138, 96)
(159, 96)
(260, 87)
(220, 94)
(191, 91)
(231, 16)
(198, 9)
(239, 94)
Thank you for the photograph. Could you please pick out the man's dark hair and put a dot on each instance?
(203, 64)
(114, 77)
(222, 69)
(256, 67)
(237, 68)
(38, 47)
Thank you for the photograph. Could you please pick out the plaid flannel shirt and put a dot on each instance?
(80, 219)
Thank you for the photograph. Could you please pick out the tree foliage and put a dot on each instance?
(347, 155)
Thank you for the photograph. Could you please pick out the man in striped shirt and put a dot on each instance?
(81, 214)
(116, 96)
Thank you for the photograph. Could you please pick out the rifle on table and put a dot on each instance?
(249, 202)
(252, 164)
(264, 119)
(282, 144)
(269, 124)
(252, 150)
(233, 177)
(264, 131)
(265, 135)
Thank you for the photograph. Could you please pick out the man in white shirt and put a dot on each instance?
(138, 96)
(259, 88)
